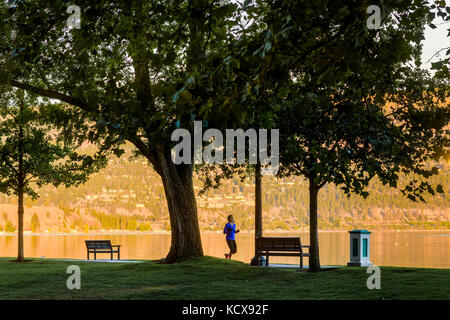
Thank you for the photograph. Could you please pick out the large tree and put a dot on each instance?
(128, 68)
(363, 107)
(35, 152)
(348, 100)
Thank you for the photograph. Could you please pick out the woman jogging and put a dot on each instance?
(230, 231)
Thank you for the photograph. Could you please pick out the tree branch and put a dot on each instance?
(145, 150)
(46, 93)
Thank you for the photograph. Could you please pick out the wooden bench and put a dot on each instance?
(281, 246)
(101, 246)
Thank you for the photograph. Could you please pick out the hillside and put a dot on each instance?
(128, 195)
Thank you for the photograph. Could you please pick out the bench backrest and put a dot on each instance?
(98, 244)
(279, 244)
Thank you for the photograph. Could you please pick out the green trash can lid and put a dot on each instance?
(360, 231)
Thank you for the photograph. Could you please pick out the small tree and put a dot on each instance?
(9, 227)
(33, 153)
(35, 224)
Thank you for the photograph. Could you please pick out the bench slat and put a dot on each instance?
(279, 243)
(98, 244)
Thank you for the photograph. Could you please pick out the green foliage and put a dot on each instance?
(354, 107)
(117, 222)
(132, 225)
(133, 68)
(146, 226)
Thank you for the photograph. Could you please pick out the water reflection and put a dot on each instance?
(405, 248)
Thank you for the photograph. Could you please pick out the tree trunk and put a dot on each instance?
(20, 254)
(314, 262)
(179, 190)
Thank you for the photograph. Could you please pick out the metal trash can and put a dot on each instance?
(359, 248)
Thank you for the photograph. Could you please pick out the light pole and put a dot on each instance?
(256, 260)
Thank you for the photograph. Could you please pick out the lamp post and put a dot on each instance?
(256, 260)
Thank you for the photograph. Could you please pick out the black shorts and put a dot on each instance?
(232, 245)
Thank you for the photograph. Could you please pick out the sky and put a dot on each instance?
(435, 39)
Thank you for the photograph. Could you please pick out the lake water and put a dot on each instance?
(388, 248)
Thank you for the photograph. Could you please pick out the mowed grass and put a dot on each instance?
(212, 278)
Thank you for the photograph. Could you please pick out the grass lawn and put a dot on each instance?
(212, 278)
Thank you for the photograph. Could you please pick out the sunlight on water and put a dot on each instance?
(404, 248)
